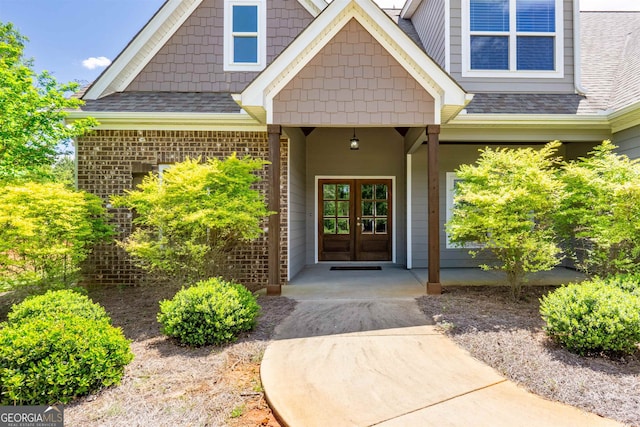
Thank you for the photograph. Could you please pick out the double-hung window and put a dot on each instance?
(245, 35)
(517, 38)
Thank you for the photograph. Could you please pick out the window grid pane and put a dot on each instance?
(245, 49)
(536, 16)
(489, 53)
(489, 15)
(245, 19)
(536, 53)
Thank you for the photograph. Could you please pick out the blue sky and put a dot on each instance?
(64, 33)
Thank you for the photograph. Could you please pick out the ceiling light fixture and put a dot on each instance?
(354, 143)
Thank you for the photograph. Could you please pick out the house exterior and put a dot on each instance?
(295, 81)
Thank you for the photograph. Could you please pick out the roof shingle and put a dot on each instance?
(164, 102)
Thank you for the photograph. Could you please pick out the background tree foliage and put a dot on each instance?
(506, 203)
(190, 219)
(46, 231)
(599, 219)
(31, 111)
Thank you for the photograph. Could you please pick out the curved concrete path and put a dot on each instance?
(378, 362)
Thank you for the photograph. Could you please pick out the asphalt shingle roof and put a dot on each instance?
(164, 102)
(524, 103)
(610, 46)
(611, 58)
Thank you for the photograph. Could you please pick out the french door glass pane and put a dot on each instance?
(329, 209)
(329, 191)
(382, 209)
(367, 192)
(367, 208)
(344, 191)
(367, 226)
(343, 209)
(489, 53)
(329, 226)
(381, 226)
(381, 192)
(343, 226)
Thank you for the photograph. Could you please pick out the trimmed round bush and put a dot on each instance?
(51, 356)
(56, 303)
(210, 312)
(592, 316)
(629, 282)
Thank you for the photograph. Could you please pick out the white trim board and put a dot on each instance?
(394, 240)
(409, 214)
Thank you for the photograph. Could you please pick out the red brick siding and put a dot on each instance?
(107, 160)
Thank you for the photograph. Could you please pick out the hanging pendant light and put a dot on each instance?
(354, 143)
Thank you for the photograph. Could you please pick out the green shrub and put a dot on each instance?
(211, 312)
(50, 356)
(46, 232)
(189, 221)
(627, 282)
(592, 316)
(55, 304)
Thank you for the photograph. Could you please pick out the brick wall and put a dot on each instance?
(109, 159)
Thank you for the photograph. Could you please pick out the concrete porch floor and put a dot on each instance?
(319, 282)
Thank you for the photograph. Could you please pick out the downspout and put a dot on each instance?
(577, 74)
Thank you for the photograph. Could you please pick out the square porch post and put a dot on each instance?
(273, 193)
(433, 198)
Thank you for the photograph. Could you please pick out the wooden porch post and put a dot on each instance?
(273, 236)
(433, 285)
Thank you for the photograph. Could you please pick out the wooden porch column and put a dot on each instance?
(433, 198)
(273, 236)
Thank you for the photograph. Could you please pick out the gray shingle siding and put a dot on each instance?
(430, 26)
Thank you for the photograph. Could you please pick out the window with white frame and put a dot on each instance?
(245, 35)
(452, 183)
(519, 38)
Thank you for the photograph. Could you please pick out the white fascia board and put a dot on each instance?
(175, 121)
(528, 121)
(150, 34)
(410, 8)
(295, 57)
(314, 7)
(422, 68)
(625, 118)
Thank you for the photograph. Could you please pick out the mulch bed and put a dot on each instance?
(171, 385)
(508, 336)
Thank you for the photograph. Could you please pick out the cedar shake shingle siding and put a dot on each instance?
(108, 160)
(192, 60)
(353, 80)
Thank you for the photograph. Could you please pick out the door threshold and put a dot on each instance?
(356, 268)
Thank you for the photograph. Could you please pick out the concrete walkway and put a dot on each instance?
(375, 360)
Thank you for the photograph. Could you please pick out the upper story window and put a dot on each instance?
(517, 38)
(245, 35)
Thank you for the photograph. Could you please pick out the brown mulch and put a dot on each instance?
(171, 385)
(508, 336)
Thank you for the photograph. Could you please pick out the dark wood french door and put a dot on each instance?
(354, 219)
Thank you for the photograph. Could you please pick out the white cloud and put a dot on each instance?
(93, 63)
